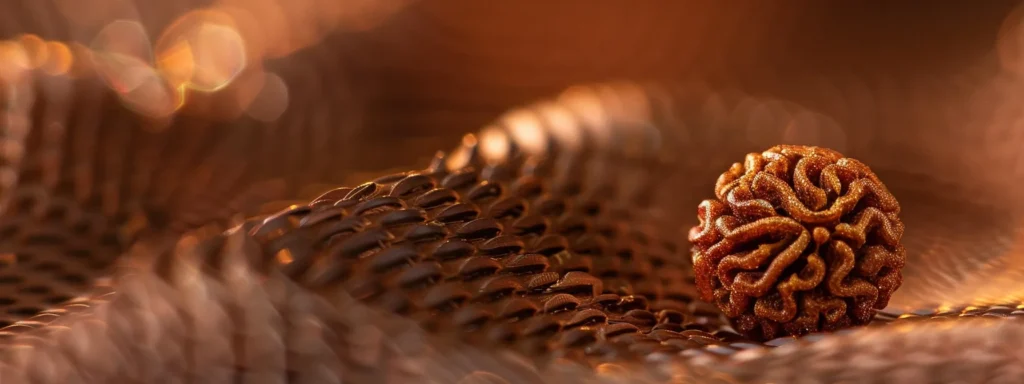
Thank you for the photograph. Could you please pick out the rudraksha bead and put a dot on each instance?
(799, 240)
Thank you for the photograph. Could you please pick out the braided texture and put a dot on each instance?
(548, 247)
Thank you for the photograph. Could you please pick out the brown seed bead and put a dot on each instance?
(800, 239)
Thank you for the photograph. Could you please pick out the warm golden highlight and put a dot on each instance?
(799, 239)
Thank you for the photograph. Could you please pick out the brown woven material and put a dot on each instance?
(549, 246)
(516, 261)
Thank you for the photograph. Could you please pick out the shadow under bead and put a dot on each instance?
(799, 240)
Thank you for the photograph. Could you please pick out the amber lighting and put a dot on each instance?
(202, 51)
(494, 144)
(561, 124)
(14, 61)
(284, 256)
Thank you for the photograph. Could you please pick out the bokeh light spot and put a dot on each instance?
(271, 101)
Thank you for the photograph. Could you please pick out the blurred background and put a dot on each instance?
(170, 114)
(433, 69)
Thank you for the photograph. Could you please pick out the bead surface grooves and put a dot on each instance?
(799, 240)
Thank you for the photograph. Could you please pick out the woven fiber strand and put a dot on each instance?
(204, 248)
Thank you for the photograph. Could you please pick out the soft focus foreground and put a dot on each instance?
(134, 133)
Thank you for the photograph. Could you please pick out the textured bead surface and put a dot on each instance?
(799, 239)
